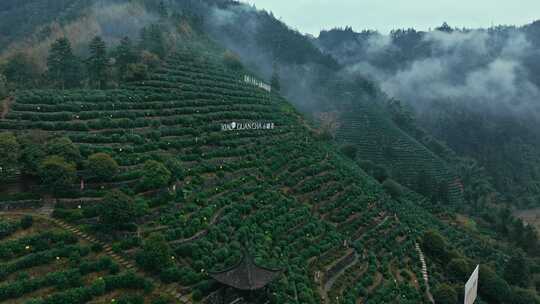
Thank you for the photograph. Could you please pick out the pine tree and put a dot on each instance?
(275, 82)
(3, 86)
(63, 66)
(162, 9)
(125, 55)
(98, 62)
(152, 40)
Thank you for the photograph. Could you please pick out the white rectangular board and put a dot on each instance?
(471, 288)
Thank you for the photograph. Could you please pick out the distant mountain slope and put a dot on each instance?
(475, 89)
(22, 18)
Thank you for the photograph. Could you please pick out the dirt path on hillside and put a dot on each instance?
(6, 103)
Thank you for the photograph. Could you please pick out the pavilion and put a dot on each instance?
(246, 278)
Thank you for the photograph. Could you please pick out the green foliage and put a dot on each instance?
(393, 188)
(156, 254)
(349, 150)
(136, 72)
(517, 270)
(524, 296)
(435, 245)
(27, 221)
(103, 166)
(117, 210)
(492, 287)
(232, 61)
(153, 40)
(155, 175)
(275, 82)
(9, 154)
(33, 151)
(20, 71)
(57, 173)
(445, 294)
(4, 90)
(63, 67)
(459, 269)
(125, 56)
(378, 172)
(64, 147)
(98, 63)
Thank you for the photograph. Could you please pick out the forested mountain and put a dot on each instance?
(147, 145)
(476, 90)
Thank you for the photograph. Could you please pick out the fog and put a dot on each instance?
(458, 66)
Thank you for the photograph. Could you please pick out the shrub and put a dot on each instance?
(392, 188)
(117, 209)
(56, 173)
(102, 165)
(155, 254)
(349, 150)
(155, 175)
(27, 221)
(435, 245)
(445, 294)
(65, 148)
(232, 61)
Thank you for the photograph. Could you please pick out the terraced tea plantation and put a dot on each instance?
(378, 139)
(283, 194)
(39, 257)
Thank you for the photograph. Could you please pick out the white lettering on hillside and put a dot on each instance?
(253, 81)
(238, 126)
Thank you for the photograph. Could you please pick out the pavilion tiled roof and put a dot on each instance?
(246, 275)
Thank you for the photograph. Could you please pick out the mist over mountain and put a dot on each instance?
(475, 89)
(496, 68)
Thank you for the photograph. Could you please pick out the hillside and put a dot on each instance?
(474, 89)
(135, 189)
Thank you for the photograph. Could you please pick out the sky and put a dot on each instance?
(310, 16)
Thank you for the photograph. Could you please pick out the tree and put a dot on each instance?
(379, 172)
(517, 270)
(3, 86)
(458, 269)
(524, 296)
(392, 188)
(20, 70)
(152, 39)
(98, 63)
(162, 10)
(63, 146)
(136, 72)
(125, 55)
(33, 151)
(492, 287)
(275, 82)
(117, 209)
(232, 61)
(424, 183)
(155, 175)
(56, 173)
(156, 254)
(63, 66)
(350, 151)
(435, 245)
(102, 165)
(9, 154)
(445, 28)
(445, 294)
(174, 165)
